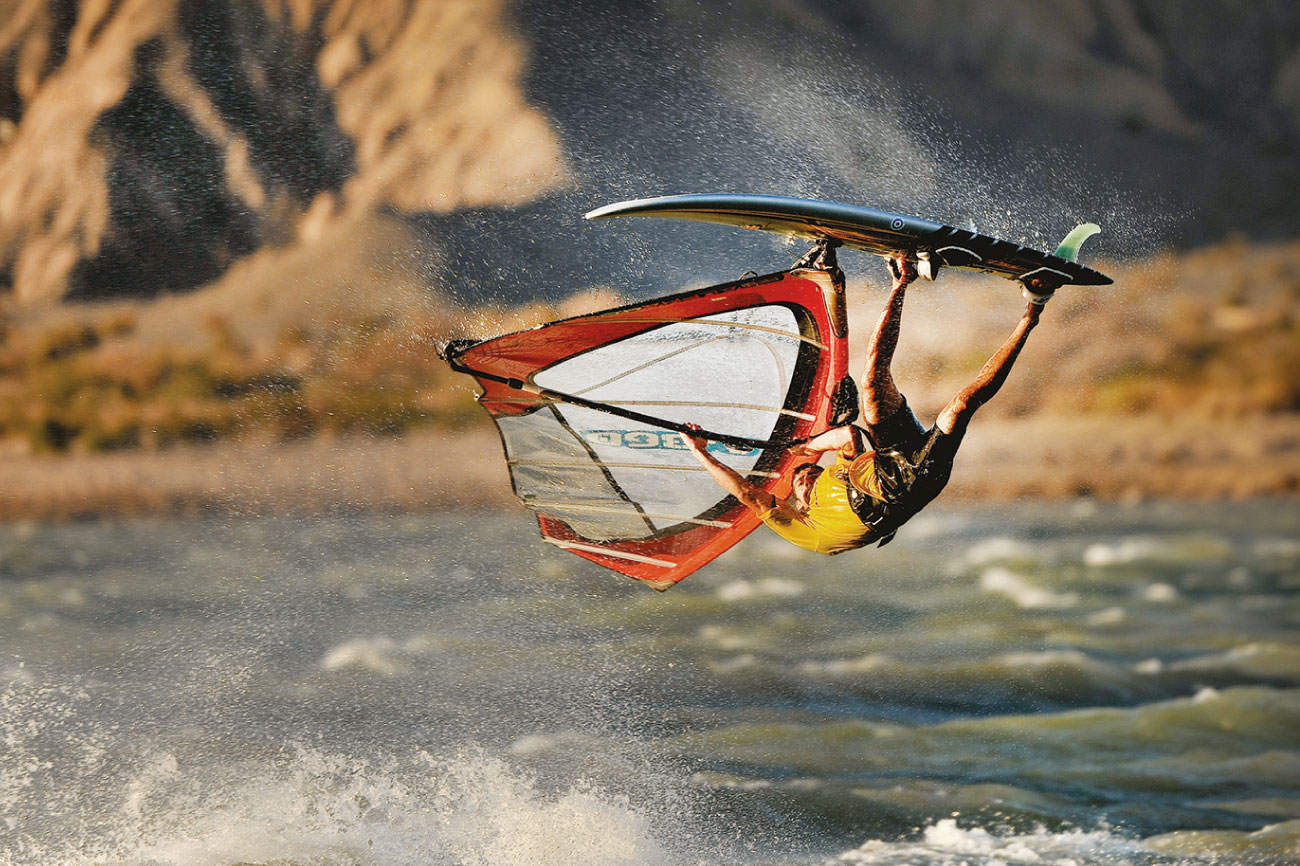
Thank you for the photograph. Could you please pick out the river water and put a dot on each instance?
(1037, 684)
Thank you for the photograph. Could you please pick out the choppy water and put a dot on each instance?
(1027, 685)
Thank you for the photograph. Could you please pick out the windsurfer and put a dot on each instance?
(883, 474)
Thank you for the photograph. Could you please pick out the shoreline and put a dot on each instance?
(1002, 460)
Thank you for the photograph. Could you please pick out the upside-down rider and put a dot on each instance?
(883, 474)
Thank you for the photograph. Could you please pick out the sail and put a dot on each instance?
(590, 411)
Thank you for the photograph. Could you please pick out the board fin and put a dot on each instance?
(1069, 248)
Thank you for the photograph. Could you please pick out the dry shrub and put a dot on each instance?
(1215, 333)
(86, 388)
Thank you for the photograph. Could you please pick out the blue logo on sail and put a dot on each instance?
(664, 440)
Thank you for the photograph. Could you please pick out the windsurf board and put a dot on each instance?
(932, 245)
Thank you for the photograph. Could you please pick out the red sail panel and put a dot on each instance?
(589, 408)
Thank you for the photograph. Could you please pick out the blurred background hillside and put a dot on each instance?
(231, 232)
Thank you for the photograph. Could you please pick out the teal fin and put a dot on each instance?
(1069, 247)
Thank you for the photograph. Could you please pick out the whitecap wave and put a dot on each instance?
(1018, 588)
(313, 807)
(1166, 549)
(997, 549)
(1276, 843)
(772, 587)
(374, 654)
(946, 843)
(1268, 659)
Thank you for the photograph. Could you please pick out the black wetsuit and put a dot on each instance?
(914, 465)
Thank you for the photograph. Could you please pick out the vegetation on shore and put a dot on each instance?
(87, 386)
(337, 336)
(1221, 338)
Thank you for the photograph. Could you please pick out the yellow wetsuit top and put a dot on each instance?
(829, 525)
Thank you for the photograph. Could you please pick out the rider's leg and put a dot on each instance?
(957, 414)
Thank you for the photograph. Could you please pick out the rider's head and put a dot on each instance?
(805, 477)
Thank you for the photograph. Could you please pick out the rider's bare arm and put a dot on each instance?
(755, 498)
(834, 439)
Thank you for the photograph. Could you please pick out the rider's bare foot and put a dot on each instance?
(902, 270)
(1037, 292)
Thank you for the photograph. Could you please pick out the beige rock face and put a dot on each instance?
(426, 94)
(435, 136)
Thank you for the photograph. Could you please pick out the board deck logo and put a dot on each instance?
(665, 440)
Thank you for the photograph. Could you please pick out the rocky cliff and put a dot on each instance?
(145, 145)
(1170, 124)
